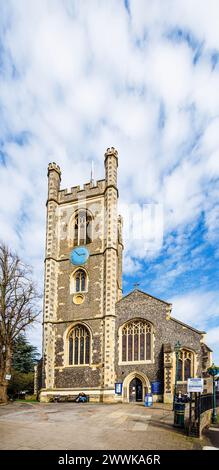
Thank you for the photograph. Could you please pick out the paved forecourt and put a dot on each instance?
(90, 426)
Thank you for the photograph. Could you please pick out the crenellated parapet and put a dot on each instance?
(89, 189)
(78, 192)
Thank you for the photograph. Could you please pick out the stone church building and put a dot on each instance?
(96, 341)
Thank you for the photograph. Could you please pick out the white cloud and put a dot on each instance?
(132, 267)
(196, 307)
(77, 77)
(213, 336)
(174, 64)
(200, 309)
(199, 17)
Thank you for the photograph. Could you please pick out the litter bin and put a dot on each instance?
(179, 414)
(148, 399)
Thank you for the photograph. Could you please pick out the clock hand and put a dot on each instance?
(79, 254)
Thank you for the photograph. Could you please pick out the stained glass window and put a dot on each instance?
(185, 365)
(79, 346)
(136, 341)
(124, 341)
(187, 369)
(70, 350)
(148, 345)
(179, 377)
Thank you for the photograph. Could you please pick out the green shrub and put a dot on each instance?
(21, 382)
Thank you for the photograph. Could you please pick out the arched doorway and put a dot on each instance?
(135, 386)
(135, 390)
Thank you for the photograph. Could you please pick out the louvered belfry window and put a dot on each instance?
(82, 228)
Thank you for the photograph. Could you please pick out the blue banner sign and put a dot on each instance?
(156, 387)
(118, 388)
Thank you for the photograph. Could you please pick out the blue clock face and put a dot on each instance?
(79, 255)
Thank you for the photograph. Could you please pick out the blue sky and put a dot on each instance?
(77, 77)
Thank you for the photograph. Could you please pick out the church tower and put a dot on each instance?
(83, 282)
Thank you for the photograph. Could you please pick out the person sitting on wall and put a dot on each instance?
(81, 398)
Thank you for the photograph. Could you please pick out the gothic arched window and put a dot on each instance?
(185, 365)
(136, 341)
(79, 346)
(80, 281)
(82, 228)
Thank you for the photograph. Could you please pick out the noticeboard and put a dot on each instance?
(195, 385)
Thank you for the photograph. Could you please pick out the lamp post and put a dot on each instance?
(177, 350)
(213, 371)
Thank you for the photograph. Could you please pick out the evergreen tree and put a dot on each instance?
(25, 356)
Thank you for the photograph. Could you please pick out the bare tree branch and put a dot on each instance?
(18, 307)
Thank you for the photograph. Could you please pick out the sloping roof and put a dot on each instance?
(145, 293)
(188, 326)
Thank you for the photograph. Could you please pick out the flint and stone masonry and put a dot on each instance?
(93, 337)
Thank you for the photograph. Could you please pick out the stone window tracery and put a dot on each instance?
(136, 341)
(80, 281)
(185, 365)
(79, 346)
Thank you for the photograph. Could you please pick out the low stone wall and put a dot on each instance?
(205, 420)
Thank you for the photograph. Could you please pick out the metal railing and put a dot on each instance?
(203, 403)
(197, 406)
